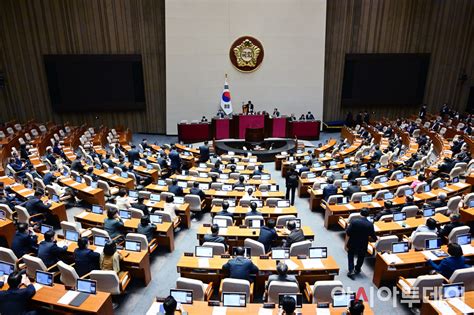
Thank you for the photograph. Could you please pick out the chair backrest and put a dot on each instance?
(453, 235)
(217, 248)
(466, 276)
(8, 211)
(197, 286)
(71, 226)
(23, 215)
(227, 219)
(428, 283)
(216, 201)
(136, 213)
(165, 194)
(68, 274)
(279, 287)
(453, 204)
(411, 211)
(384, 243)
(300, 248)
(216, 186)
(194, 202)
(256, 248)
(333, 199)
(394, 174)
(138, 238)
(442, 210)
(32, 265)
(401, 190)
(357, 197)
(40, 184)
(322, 290)
(107, 281)
(236, 286)
(380, 194)
(468, 197)
(144, 194)
(104, 186)
(282, 219)
(111, 206)
(456, 171)
(272, 202)
(7, 255)
(252, 217)
(418, 241)
(100, 232)
(435, 183)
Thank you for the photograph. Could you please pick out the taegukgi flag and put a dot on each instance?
(226, 103)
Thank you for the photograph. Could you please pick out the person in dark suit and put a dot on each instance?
(204, 152)
(145, 144)
(446, 166)
(282, 275)
(371, 172)
(377, 154)
(216, 168)
(388, 208)
(34, 205)
(251, 107)
(258, 170)
(306, 167)
(175, 160)
(108, 161)
(440, 201)
(113, 224)
(296, 235)
(291, 180)
(268, 234)
(25, 241)
(330, 189)
(253, 210)
(309, 116)
(195, 190)
(141, 206)
(224, 212)
(50, 156)
(358, 232)
(276, 113)
(422, 113)
(450, 264)
(214, 236)
(48, 178)
(48, 251)
(175, 189)
(447, 228)
(146, 228)
(15, 301)
(355, 173)
(240, 183)
(353, 188)
(162, 161)
(77, 166)
(240, 267)
(133, 154)
(85, 259)
(204, 119)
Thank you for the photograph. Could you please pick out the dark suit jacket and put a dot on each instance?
(203, 153)
(359, 232)
(113, 227)
(267, 236)
(438, 203)
(35, 206)
(292, 179)
(141, 206)
(175, 159)
(197, 191)
(214, 239)
(86, 260)
(294, 237)
(240, 268)
(350, 190)
(449, 227)
(16, 301)
(147, 230)
(76, 165)
(353, 175)
(50, 253)
(370, 174)
(133, 155)
(24, 244)
(176, 190)
(329, 190)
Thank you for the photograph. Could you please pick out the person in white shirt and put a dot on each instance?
(429, 226)
(122, 201)
(248, 195)
(170, 208)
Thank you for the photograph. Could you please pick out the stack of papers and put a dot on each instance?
(391, 258)
(37, 286)
(278, 210)
(428, 254)
(312, 263)
(264, 193)
(376, 204)
(350, 207)
(203, 262)
(467, 249)
(291, 265)
(68, 297)
(82, 214)
(219, 310)
(443, 307)
(323, 311)
(460, 305)
(265, 311)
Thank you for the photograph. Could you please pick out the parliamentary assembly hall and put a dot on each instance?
(226, 157)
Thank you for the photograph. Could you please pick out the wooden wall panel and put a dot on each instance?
(30, 29)
(444, 28)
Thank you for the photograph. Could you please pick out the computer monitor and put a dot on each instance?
(280, 253)
(133, 246)
(318, 252)
(274, 188)
(347, 160)
(428, 212)
(156, 218)
(71, 236)
(366, 198)
(377, 165)
(442, 184)
(78, 179)
(204, 186)
(255, 223)
(136, 163)
(427, 188)
(342, 299)
(383, 179)
(6, 268)
(155, 197)
(3, 214)
(247, 187)
(86, 286)
(161, 182)
(329, 174)
(347, 171)
(408, 192)
(182, 184)
(332, 163)
(97, 209)
(388, 196)
(125, 214)
(258, 202)
(98, 166)
(399, 216)
(412, 172)
(240, 167)
(65, 172)
(44, 278)
(399, 247)
(226, 187)
(203, 251)
(182, 296)
(297, 223)
(454, 290)
(222, 223)
(234, 299)
(399, 176)
(342, 200)
(247, 252)
(110, 170)
(94, 185)
(55, 198)
(464, 239)
(298, 297)
(124, 174)
(265, 176)
(471, 203)
(224, 176)
(365, 182)
(317, 164)
(344, 185)
(202, 165)
(179, 200)
(100, 240)
(45, 228)
(149, 167)
(203, 175)
(232, 202)
(133, 194)
(455, 180)
(434, 243)
(363, 168)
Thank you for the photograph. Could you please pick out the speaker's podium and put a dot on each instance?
(245, 109)
(254, 134)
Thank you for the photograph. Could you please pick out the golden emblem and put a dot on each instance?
(246, 54)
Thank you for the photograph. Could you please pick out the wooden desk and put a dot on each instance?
(183, 211)
(200, 307)
(7, 230)
(239, 212)
(412, 265)
(429, 308)
(164, 231)
(115, 179)
(93, 196)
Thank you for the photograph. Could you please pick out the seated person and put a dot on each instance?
(440, 201)
(122, 200)
(429, 226)
(195, 190)
(48, 250)
(353, 188)
(15, 301)
(447, 228)
(296, 235)
(409, 201)
(258, 170)
(175, 189)
(240, 183)
(330, 189)
(282, 275)
(25, 241)
(110, 259)
(301, 117)
(170, 208)
(306, 167)
(224, 211)
(216, 168)
(388, 209)
(85, 259)
(449, 264)
(146, 228)
(268, 234)
(371, 172)
(170, 306)
(309, 116)
(356, 307)
(34, 205)
(141, 206)
(240, 267)
(419, 181)
(248, 195)
(90, 173)
(113, 224)
(214, 236)
(18, 166)
(288, 305)
(253, 210)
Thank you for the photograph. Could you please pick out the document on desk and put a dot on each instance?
(323, 311)
(313, 263)
(223, 231)
(443, 307)
(219, 310)
(37, 286)
(291, 265)
(264, 193)
(265, 311)
(430, 194)
(391, 258)
(383, 184)
(376, 204)
(88, 189)
(231, 209)
(278, 210)
(376, 228)
(99, 249)
(428, 254)
(75, 184)
(203, 262)
(467, 249)
(82, 214)
(350, 207)
(460, 185)
(460, 305)
(68, 297)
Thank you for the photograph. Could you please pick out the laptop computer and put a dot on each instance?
(318, 252)
(44, 278)
(399, 216)
(280, 253)
(464, 239)
(454, 290)
(222, 223)
(155, 197)
(255, 223)
(283, 203)
(85, 288)
(178, 200)
(182, 296)
(204, 186)
(156, 218)
(133, 246)
(45, 228)
(399, 247)
(428, 212)
(366, 198)
(125, 214)
(133, 194)
(6, 268)
(234, 299)
(55, 198)
(71, 236)
(203, 251)
(342, 299)
(100, 240)
(97, 209)
(432, 244)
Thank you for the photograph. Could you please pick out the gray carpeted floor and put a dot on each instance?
(164, 274)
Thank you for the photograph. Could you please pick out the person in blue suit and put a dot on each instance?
(240, 267)
(15, 301)
(25, 241)
(175, 160)
(449, 264)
